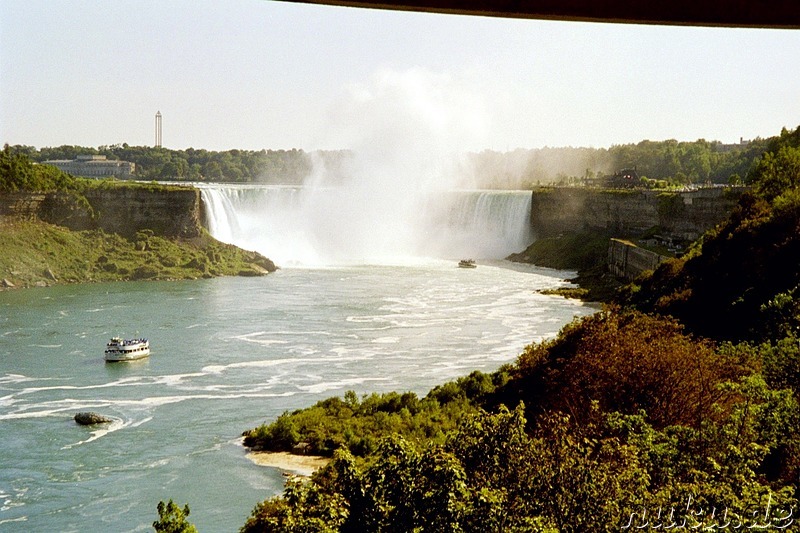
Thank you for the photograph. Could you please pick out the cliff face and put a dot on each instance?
(172, 213)
(123, 210)
(679, 215)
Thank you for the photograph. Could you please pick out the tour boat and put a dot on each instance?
(467, 263)
(126, 349)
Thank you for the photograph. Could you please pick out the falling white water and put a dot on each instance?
(324, 226)
(405, 130)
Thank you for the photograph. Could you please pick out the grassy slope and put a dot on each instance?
(585, 252)
(36, 253)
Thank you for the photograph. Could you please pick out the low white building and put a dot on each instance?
(95, 166)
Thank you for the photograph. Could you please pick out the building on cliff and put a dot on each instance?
(94, 166)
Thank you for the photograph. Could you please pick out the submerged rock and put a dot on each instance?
(89, 418)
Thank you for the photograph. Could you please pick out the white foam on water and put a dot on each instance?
(319, 388)
(12, 520)
(115, 425)
(19, 378)
(140, 422)
(294, 361)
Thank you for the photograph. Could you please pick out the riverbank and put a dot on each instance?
(301, 465)
(39, 254)
(585, 252)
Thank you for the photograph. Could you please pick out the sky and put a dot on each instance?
(259, 74)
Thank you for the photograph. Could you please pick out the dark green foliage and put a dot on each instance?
(781, 360)
(359, 424)
(173, 519)
(573, 251)
(17, 173)
(670, 206)
(585, 252)
(777, 172)
(492, 475)
(741, 281)
(626, 415)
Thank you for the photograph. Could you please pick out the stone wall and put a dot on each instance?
(628, 261)
(175, 212)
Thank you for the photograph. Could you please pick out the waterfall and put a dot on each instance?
(336, 225)
(480, 224)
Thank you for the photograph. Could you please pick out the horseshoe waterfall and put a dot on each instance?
(330, 225)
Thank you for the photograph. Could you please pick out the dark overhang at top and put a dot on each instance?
(733, 13)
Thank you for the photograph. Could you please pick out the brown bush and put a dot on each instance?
(627, 361)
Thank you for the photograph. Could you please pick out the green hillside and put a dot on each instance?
(35, 253)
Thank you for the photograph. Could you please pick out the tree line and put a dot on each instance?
(670, 161)
(290, 167)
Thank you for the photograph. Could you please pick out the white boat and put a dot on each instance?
(467, 263)
(119, 349)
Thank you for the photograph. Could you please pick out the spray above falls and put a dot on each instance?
(397, 198)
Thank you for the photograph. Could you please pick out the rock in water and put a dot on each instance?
(89, 418)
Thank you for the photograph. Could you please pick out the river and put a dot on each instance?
(227, 355)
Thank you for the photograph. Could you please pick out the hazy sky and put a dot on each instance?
(255, 74)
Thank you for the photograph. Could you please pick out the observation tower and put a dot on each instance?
(158, 129)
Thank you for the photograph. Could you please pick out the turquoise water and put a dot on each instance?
(227, 354)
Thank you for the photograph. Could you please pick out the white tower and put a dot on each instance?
(158, 129)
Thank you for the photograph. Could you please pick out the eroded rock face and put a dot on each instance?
(168, 213)
(89, 418)
(681, 215)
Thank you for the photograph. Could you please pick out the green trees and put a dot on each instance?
(359, 424)
(741, 280)
(265, 166)
(172, 519)
(494, 474)
(500, 472)
(672, 161)
(18, 173)
(777, 172)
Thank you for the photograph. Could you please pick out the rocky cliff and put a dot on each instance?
(169, 212)
(680, 216)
